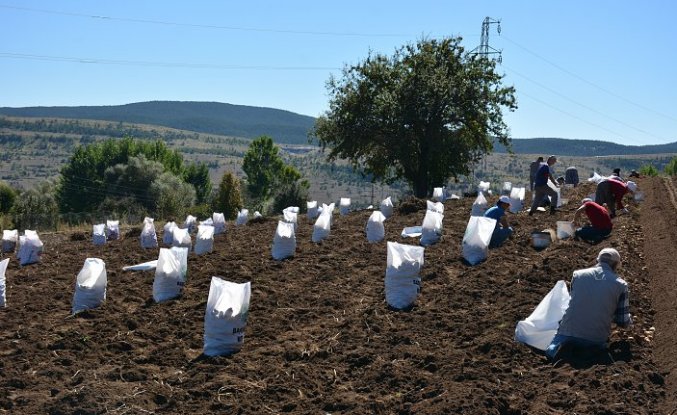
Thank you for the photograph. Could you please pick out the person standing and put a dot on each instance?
(599, 297)
(502, 231)
(600, 222)
(541, 187)
(571, 176)
(533, 168)
(611, 192)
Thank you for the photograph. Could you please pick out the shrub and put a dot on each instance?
(228, 200)
(7, 197)
(291, 194)
(648, 170)
(36, 208)
(671, 167)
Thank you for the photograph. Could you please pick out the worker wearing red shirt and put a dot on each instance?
(611, 192)
(600, 222)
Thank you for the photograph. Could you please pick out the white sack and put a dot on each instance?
(30, 248)
(204, 241)
(311, 210)
(438, 194)
(181, 237)
(148, 236)
(112, 230)
(402, 282)
(284, 241)
(169, 280)
(479, 205)
(90, 285)
(242, 217)
(3, 282)
(322, 227)
(168, 233)
(596, 178)
(476, 238)
(387, 207)
(144, 266)
(257, 214)
(219, 221)
(412, 231)
(290, 215)
(206, 222)
(483, 187)
(517, 195)
(181, 254)
(99, 234)
(375, 229)
(507, 188)
(557, 190)
(434, 206)
(540, 327)
(190, 223)
(9, 240)
(344, 206)
(431, 230)
(226, 317)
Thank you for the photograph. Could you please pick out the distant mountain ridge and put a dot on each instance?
(286, 127)
(203, 117)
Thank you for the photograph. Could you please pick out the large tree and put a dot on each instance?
(426, 114)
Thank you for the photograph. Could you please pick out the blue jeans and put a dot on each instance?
(588, 233)
(560, 340)
(499, 236)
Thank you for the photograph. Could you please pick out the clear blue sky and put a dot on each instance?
(599, 70)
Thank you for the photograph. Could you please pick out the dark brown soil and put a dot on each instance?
(320, 337)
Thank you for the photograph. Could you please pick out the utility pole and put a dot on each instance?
(484, 50)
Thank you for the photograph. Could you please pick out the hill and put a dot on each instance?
(581, 148)
(321, 339)
(202, 117)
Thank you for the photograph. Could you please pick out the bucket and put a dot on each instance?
(540, 240)
(565, 229)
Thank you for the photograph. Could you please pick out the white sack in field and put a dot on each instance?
(402, 282)
(226, 317)
(181, 254)
(169, 280)
(9, 240)
(168, 233)
(290, 215)
(112, 230)
(204, 241)
(557, 190)
(387, 207)
(181, 237)
(242, 217)
(540, 327)
(479, 205)
(311, 210)
(219, 221)
(517, 199)
(322, 227)
(284, 241)
(3, 282)
(257, 214)
(483, 187)
(344, 206)
(431, 230)
(148, 236)
(99, 234)
(412, 231)
(30, 248)
(507, 188)
(596, 178)
(144, 266)
(90, 285)
(438, 194)
(476, 239)
(434, 206)
(375, 229)
(190, 223)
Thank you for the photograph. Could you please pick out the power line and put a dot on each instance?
(205, 26)
(580, 78)
(100, 61)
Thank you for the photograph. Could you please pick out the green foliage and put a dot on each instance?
(648, 170)
(36, 208)
(293, 193)
(671, 168)
(173, 197)
(425, 114)
(131, 182)
(201, 211)
(228, 200)
(197, 174)
(7, 197)
(82, 185)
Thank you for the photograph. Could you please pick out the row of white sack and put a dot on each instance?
(30, 246)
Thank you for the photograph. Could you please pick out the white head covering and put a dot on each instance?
(609, 256)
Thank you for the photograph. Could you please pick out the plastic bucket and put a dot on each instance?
(565, 229)
(540, 240)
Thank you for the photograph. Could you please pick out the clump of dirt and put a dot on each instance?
(134, 232)
(410, 205)
(79, 236)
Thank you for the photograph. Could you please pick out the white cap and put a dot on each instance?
(609, 256)
(632, 186)
(587, 199)
(504, 199)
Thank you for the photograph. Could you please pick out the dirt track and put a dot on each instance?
(320, 337)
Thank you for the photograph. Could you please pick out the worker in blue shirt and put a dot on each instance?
(502, 231)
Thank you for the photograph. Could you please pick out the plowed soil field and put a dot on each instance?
(320, 337)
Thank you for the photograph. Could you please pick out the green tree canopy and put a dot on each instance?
(425, 114)
(228, 199)
(7, 197)
(197, 174)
